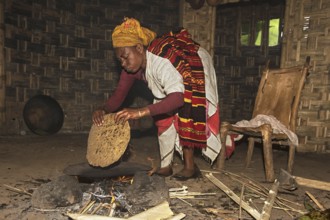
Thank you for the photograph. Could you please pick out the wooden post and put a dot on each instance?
(2, 66)
(213, 24)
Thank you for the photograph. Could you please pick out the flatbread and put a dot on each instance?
(107, 143)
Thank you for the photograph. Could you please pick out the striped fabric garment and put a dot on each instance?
(181, 51)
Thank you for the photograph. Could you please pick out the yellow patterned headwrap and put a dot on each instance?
(130, 33)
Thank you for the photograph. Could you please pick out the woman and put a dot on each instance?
(181, 76)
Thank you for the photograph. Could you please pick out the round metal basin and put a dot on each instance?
(43, 115)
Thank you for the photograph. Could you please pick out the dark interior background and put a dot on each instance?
(63, 49)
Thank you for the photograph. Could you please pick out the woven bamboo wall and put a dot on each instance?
(63, 49)
(307, 34)
(200, 24)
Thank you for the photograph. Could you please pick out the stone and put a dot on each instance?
(61, 192)
(146, 192)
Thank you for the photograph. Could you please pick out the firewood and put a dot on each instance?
(22, 191)
(266, 210)
(253, 212)
(315, 201)
(77, 216)
(161, 211)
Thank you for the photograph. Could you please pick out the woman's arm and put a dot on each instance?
(124, 85)
(115, 101)
(172, 102)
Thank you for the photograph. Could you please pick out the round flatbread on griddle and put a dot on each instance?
(108, 142)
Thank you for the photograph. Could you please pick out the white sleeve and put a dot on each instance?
(162, 76)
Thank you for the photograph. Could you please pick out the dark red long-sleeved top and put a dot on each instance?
(172, 101)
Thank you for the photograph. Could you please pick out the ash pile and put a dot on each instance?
(123, 196)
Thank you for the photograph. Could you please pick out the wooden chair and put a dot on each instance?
(278, 95)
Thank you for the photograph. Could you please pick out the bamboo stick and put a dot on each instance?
(315, 201)
(240, 202)
(188, 203)
(253, 212)
(90, 204)
(84, 207)
(260, 190)
(112, 210)
(161, 211)
(174, 194)
(22, 191)
(289, 209)
(267, 209)
(98, 207)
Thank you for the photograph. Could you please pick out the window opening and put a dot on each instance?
(258, 33)
(274, 29)
(273, 32)
(245, 33)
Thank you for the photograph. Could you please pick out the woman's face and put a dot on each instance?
(132, 59)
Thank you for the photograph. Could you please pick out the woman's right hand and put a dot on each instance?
(98, 117)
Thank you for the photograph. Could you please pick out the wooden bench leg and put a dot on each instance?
(268, 157)
(268, 153)
(292, 151)
(249, 152)
(220, 163)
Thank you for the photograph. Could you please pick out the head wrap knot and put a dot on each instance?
(130, 33)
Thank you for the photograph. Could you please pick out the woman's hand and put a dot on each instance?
(131, 113)
(98, 117)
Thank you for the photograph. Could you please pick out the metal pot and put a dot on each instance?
(43, 115)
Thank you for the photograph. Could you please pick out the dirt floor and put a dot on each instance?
(30, 160)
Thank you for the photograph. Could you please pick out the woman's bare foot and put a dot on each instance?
(186, 174)
(164, 171)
